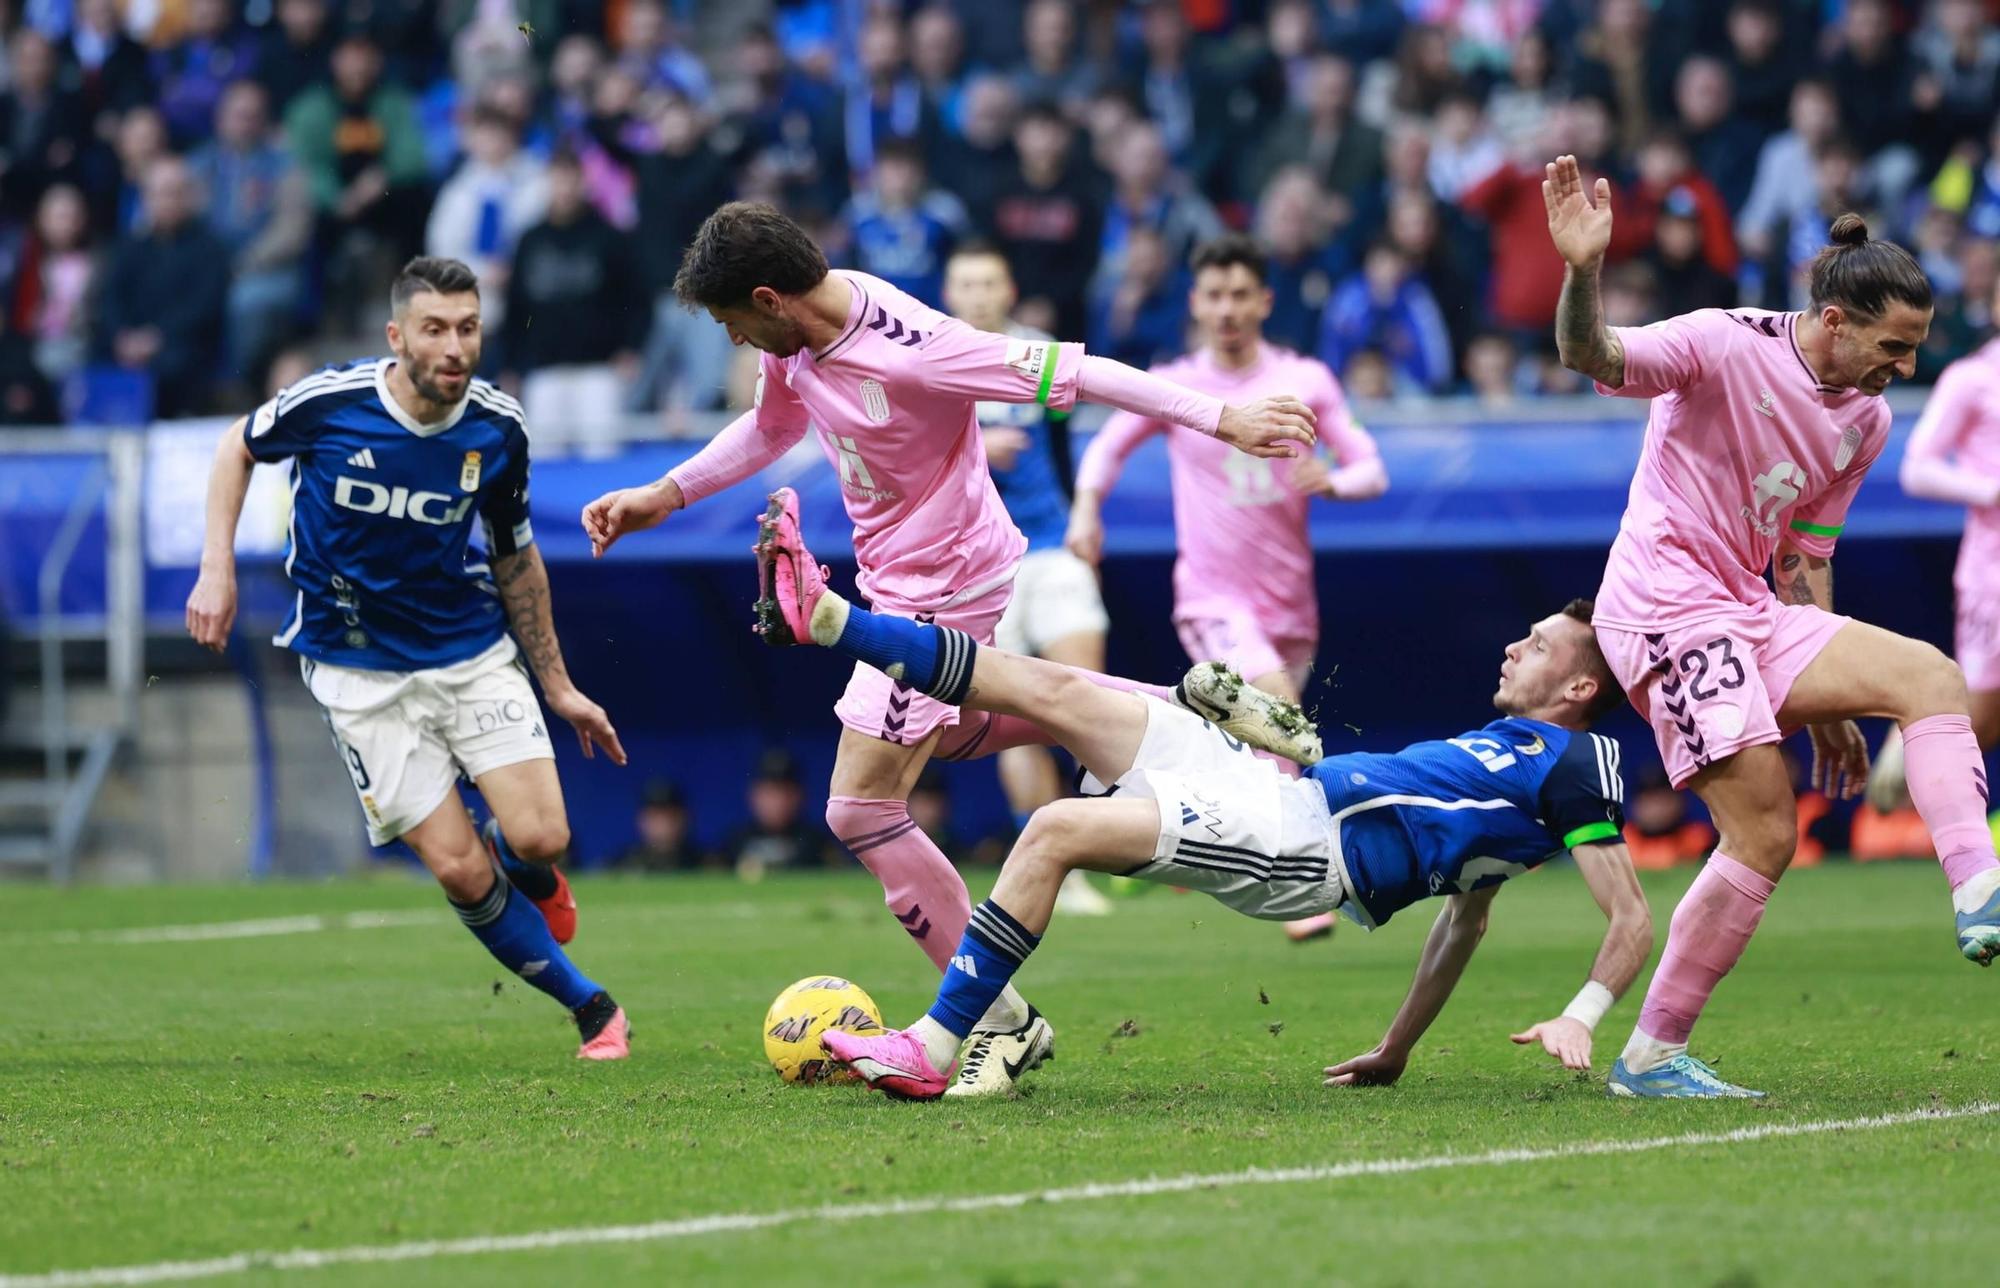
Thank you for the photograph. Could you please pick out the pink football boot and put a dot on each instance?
(789, 580)
(895, 1064)
(613, 1041)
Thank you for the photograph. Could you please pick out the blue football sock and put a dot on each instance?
(536, 880)
(519, 939)
(993, 948)
(934, 660)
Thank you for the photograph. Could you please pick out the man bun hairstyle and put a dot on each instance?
(742, 246)
(1609, 694)
(1229, 250)
(430, 273)
(1864, 277)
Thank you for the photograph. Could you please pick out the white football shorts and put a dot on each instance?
(405, 736)
(1055, 596)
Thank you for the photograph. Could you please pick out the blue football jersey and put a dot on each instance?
(1463, 813)
(1036, 488)
(381, 553)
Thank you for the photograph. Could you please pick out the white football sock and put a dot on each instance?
(1976, 891)
(829, 620)
(1642, 1052)
(1009, 1011)
(940, 1043)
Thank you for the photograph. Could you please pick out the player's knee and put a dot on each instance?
(1940, 678)
(465, 878)
(540, 840)
(1056, 836)
(855, 821)
(1765, 841)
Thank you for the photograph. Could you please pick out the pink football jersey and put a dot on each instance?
(1954, 455)
(1743, 446)
(1239, 520)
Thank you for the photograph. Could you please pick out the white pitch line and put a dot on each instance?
(257, 929)
(729, 1222)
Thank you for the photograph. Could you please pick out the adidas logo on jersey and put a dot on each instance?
(363, 459)
(364, 497)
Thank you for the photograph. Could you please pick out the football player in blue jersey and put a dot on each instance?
(403, 625)
(1056, 612)
(1173, 797)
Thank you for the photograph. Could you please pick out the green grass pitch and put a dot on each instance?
(379, 1085)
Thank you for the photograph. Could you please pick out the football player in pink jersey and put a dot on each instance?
(1243, 582)
(1761, 428)
(1954, 455)
(890, 386)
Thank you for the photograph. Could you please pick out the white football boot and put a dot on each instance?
(993, 1060)
(1242, 710)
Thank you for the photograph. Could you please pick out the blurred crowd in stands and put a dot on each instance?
(194, 193)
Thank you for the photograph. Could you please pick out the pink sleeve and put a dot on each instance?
(1928, 468)
(1664, 356)
(1104, 380)
(748, 443)
(1358, 474)
(964, 362)
(1815, 526)
(1105, 457)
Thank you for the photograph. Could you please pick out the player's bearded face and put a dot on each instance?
(1871, 352)
(771, 332)
(437, 344)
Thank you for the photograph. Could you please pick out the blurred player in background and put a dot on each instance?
(1177, 800)
(1243, 584)
(891, 387)
(402, 626)
(1954, 455)
(1761, 430)
(1057, 612)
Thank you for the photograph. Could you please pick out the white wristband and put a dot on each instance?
(1589, 1005)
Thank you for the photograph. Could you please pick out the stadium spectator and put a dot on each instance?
(1870, 67)
(357, 141)
(1387, 308)
(1965, 318)
(1142, 319)
(1520, 106)
(886, 104)
(1421, 77)
(1056, 70)
(790, 123)
(164, 295)
(1724, 145)
(192, 72)
(1193, 94)
(666, 834)
(901, 229)
(43, 127)
(1763, 64)
(1957, 85)
(498, 192)
(1303, 264)
(650, 42)
(1981, 207)
(1631, 294)
(105, 66)
(1343, 153)
(679, 185)
(576, 316)
(54, 285)
(1783, 188)
(26, 396)
(1362, 31)
(296, 52)
(573, 69)
(1435, 240)
(141, 140)
(1492, 371)
(611, 141)
(937, 58)
(1367, 377)
(1291, 34)
(1046, 220)
(1483, 33)
(1666, 171)
(1628, 62)
(1146, 193)
(1463, 149)
(1841, 184)
(258, 207)
(779, 834)
(975, 163)
(1684, 272)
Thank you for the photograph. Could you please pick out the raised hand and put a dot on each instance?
(1268, 427)
(1579, 221)
(629, 509)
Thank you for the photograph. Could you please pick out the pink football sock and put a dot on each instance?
(1714, 921)
(1947, 777)
(918, 882)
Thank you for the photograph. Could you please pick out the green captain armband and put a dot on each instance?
(1589, 832)
(1817, 529)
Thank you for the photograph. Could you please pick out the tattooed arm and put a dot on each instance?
(1801, 578)
(524, 590)
(1585, 345)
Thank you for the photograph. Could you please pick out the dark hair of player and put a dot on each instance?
(430, 273)
(1229, 250)
(742, 246)
(1864, 277)
(1609, 694)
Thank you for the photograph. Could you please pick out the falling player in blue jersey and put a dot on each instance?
(1180, 801)
(402, 624)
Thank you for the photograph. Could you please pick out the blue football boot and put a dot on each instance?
(1682, 1077)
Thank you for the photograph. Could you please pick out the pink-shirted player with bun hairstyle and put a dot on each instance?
(1761, 429)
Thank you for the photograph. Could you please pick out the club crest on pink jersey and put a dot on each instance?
(1850, 443)
(875, 400)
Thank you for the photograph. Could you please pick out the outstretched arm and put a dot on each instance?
(1453, 936)
(745, 446)
(1628, 942)
(524, 590)
(211, 608)
(1580, 226)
